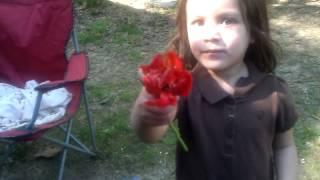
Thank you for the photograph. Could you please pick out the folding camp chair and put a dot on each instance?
(33, 38)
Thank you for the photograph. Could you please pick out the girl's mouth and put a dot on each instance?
(214, 53)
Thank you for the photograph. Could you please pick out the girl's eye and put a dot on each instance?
(197, 22)
(228, 21)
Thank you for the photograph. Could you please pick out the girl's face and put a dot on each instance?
(217, 34)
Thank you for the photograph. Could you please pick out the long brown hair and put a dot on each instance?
(261, 52)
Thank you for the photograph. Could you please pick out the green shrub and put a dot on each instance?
(89, 3)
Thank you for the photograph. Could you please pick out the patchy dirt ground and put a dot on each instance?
(295, 26)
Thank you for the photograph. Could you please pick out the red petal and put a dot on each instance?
(165, 78)
(177, 82)
(156, 65)
(174, 61)
(152, 85)
(182, 84)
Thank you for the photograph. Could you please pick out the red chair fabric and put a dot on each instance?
(33, 37)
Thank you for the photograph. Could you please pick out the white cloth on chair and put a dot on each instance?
(17, 105)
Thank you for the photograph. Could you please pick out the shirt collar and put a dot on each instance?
(211, 90)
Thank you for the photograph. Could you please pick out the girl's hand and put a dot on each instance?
(164, 79)
(154, 115)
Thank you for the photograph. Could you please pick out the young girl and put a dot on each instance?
(237, 121)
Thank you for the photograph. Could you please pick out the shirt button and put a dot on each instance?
(231, 116)
(228, 148)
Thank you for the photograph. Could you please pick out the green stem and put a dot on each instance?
(176, 131)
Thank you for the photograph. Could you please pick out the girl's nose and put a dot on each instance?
(211, 33)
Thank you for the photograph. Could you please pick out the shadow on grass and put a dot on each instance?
(297, 29)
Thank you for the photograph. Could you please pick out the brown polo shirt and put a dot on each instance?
(231, 137)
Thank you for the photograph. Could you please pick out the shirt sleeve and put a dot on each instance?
(287, 114)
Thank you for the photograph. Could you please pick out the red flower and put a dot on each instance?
(165, 78)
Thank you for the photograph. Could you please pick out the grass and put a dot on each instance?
(115, 138)
(127, 32)
(305, 90)
(135, 55)
(308, 134)
(95, 32)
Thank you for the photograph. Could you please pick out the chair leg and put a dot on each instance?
(89, 118)
(65, 150)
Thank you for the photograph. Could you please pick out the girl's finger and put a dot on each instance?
(158, 111)
(140, 73)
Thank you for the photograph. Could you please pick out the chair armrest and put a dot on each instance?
(77, 70)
